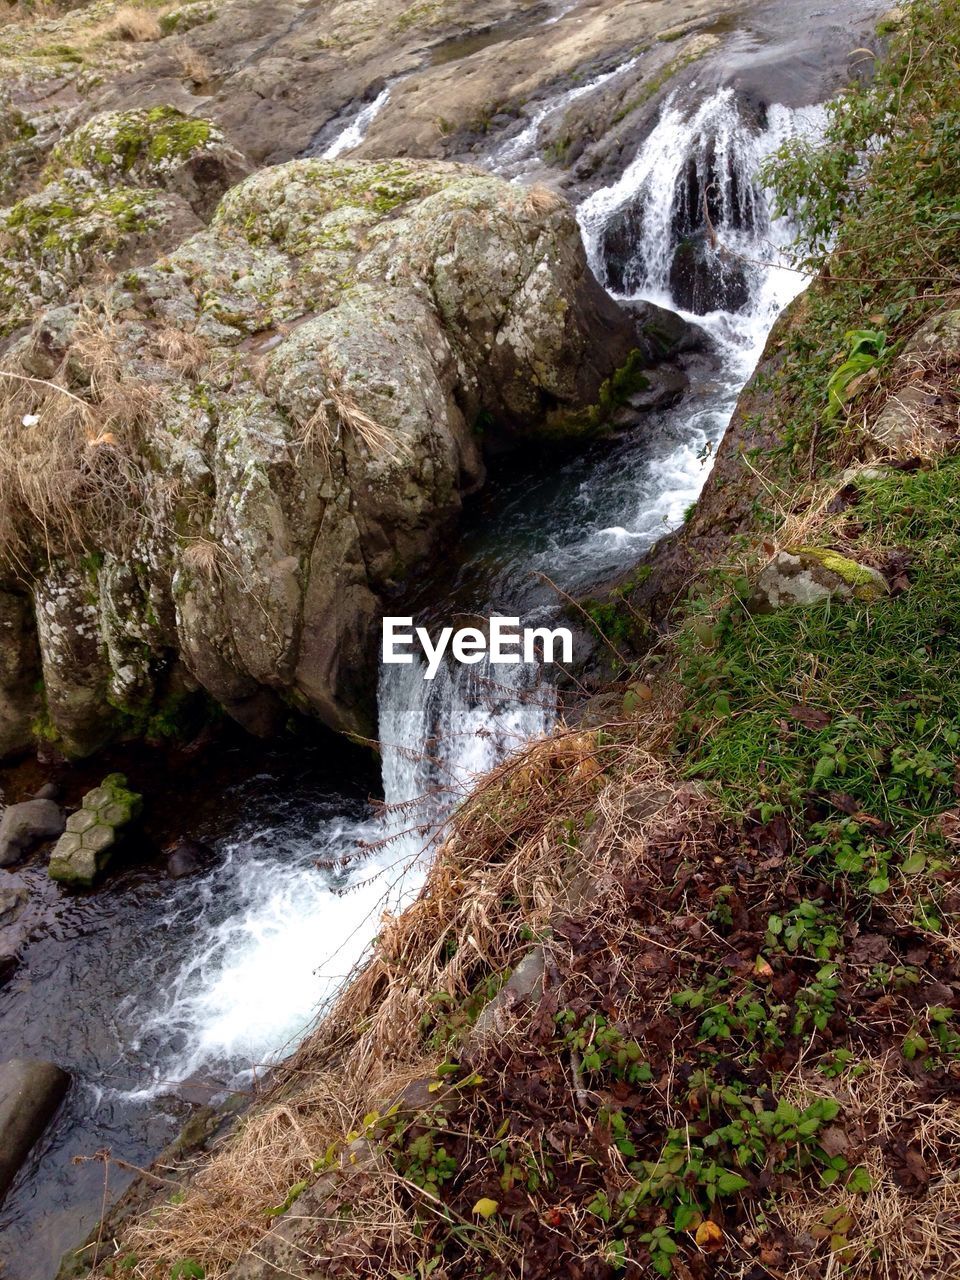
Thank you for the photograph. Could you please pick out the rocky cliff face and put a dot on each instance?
(216, 466)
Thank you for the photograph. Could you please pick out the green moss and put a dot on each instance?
(614, 393)
(854, 574)
(60, 222)
(114, 145)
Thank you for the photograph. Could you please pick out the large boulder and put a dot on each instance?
(23, 826)
(30, 1093)
(266, 430)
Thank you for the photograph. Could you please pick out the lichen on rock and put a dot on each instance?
(815, 575)
(117, 190)
(282, 418)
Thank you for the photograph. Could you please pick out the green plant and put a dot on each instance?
(808, 927)
(187, 1269)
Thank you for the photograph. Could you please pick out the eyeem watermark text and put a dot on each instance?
(502, 642)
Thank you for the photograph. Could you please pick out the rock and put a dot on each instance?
(665, 388)
(82, 853)
(703, 280)
(118, 190)
(812, 575)
(525, 982)
(23, 826)
(50, 791)
(919, 418)
(310, 377)
(20, 703)
(13, 897)
(30, 1093)
(187, 858)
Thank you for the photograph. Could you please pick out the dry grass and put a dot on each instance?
(203, 556)
(69, 467)
(137, 26)
(504, 870)
(541, 200)
(337, 412)
(193, 65)
(893, 1232)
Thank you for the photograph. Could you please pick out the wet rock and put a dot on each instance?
(704, 280)
(813, 575)
(664, 335)
(30, 1093)
(19, 672)
(23, 826)
(13, 897)
(50, 791)
(187, 858)
(665, 388)
(84, 850)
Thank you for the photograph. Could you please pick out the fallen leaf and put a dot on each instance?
(485, 1207)
(709, 1236)
(810, 717)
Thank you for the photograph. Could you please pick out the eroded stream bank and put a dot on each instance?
(145, 985)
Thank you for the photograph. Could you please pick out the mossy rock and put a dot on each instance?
(133, 145)
(815, 575)
(85, 849)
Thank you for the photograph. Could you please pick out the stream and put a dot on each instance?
(150, 983)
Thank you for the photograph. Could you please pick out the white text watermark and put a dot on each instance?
(502, 641)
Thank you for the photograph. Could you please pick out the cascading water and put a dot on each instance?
(256, 976)
(212, 976)
(519, 152)
(352, 134)
(288, 913)
(687, 223)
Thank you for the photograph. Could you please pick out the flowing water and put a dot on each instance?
(149, 983)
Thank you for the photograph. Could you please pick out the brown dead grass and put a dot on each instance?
(894, 1232)
(193, 65)
(497, 876)
(338, 412)
(69, 466)
(137, 26)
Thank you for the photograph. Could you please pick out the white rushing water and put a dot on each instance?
(271, 934)
(517, 153)
(354, 133)
(711, 149)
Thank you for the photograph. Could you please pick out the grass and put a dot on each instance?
(858, 698)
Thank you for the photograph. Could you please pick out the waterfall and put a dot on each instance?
(688, 224)
(354, 133)
(270, 934)
(518, 152)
